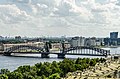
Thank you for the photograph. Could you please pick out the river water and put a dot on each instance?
(12, 62)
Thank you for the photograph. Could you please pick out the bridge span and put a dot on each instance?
(45, 51)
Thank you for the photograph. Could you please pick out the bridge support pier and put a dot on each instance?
(61, 55)
(44, 55)
(7, 54)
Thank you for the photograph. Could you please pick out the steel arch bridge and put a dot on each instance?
(22, 49)
(78, 50)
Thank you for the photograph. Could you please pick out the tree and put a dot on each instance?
(54, 76)
(79, 67)
(66, 66)
(55, 67)
(78, 61)
(44, 71)
(4, 71)
(92, 62)
(23, 69)
(3, 76)
(15, 75)
(43, 77)
(102, 60)
(27, 75)
(38, 65)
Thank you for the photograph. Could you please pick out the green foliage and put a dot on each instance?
(66, 66)
(38, 65)
(23, 69)
(27, 76)
(15, 75)
(92, 62)
(54, 76)
(102, 60)
(47, 70)
(3, 76)
(4, 71)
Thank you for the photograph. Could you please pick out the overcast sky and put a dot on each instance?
(59, 17)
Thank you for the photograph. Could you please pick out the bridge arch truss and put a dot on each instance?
(23, 48)
(90, 51)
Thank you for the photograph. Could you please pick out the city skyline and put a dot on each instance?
(59, 17)
(63, 36)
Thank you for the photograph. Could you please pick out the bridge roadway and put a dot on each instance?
(58, 53)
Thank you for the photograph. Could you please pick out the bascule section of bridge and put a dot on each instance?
(28, 48)
(45, 50)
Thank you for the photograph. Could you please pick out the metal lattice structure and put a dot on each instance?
(23, 48)
(82, 50)
(78, 50)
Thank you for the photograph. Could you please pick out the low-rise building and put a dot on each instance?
(39, 44)
(67, 44)
(56, 46)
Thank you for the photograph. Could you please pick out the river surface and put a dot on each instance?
(12, 62)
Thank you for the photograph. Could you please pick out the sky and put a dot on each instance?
(36, 18)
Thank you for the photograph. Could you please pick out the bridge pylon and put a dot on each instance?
(1, 47)
(62, 54)
(47, 48)
(47, 51)
(7, 54)
(44, 55)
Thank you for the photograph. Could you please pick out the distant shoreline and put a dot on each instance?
(107, 46)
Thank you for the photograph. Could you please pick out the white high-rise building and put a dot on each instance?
(90, 41)
(78, 41)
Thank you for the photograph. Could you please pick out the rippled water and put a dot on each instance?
(12, 62)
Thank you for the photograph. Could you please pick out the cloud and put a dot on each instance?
(11, 14)
(39, 15)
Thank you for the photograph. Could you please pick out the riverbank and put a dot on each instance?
(104, 70)
(107, 46)
(53, 70)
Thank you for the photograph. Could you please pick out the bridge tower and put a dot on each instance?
(62, 54)
(7, 54)
(1, 47)
(47, 51)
